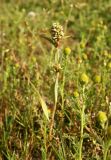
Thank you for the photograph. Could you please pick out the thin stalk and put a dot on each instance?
(82, 127)
(62, 93)
(54, 110)
(63, 84)
(67, 20)
(56, 95)
(45, 137)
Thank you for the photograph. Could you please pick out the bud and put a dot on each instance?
(76, 94)
(84, 78)
(67, 51)
(97, 79)
(102, 118)
(109, 65)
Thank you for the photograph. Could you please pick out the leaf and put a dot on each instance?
(42, 102)
(48, 39)
(44, 106)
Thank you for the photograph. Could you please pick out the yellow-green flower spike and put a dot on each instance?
(84, 78)
(67, 51)
(102, 118)
(97, 79)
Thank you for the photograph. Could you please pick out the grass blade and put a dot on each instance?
(44, 106)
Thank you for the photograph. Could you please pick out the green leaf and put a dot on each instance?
(44, 106)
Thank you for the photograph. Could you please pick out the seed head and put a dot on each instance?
(56, 33)
(57, 67)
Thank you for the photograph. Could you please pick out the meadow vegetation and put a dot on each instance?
(55, 80)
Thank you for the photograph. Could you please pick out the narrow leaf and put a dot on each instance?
(44, 107)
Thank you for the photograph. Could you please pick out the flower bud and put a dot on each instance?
(84, 78)
(76, 94)
(67, 51)
(97, 79)
(109, 65)
(102, 118)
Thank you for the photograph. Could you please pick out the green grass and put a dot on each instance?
(48, 108)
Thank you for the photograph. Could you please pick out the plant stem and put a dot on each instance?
(82, 127)
(45, 137)
(54, 110)
(63, 83)
(106, 148)
(56, 95)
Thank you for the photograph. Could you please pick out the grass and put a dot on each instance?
(50, 97)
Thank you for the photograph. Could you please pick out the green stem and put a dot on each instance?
(45, 137)
(106, 148)
(56, 95)
(67, 20)
(82, 127)
(63, 84)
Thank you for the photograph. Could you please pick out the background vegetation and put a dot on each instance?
(34, 82)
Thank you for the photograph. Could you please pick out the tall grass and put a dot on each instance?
(55, 99)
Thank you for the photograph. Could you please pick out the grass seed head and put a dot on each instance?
(57, 33)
